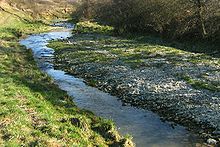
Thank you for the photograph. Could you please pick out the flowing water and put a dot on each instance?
(146, 127)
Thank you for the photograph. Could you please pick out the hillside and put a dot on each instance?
(18, 16)
(37, 9)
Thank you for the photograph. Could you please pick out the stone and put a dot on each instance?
(75, 122)
(211, 141)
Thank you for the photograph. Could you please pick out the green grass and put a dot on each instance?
(35, 9)
(19, 18)
(92, 27)
(199, 84)
(15, 23)
(33, 110)
(19, 30)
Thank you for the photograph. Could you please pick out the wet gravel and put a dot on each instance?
(159, 87)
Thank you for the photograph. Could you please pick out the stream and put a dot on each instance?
(145, 126)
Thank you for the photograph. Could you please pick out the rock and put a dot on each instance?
(127, 143)
(75, 122)
(211, 141)
(63, 120)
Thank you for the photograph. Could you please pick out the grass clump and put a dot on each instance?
(92, 27)
(199, 84)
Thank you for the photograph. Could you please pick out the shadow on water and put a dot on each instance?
(145, 126)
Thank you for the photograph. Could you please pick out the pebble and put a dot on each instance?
(211, 141)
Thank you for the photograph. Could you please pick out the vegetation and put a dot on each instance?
(16, 23)
(200, 84)
(137, 53)
(33, 110)
(42, 9)
(174, 19)
(89, 27)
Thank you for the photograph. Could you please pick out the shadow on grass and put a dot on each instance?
(208, 48)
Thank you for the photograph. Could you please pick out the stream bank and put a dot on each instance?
(51, 117)
(35, 112)
(180, 86)
(145, 126)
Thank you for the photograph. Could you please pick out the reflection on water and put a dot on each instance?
(146, 127)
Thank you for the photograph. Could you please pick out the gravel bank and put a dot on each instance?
(180, 86)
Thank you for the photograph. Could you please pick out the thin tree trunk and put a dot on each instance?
(202, 24)
(87, 10)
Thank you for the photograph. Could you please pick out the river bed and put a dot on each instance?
(145, 126)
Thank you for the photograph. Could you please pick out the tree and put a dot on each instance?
(200, 6)
(175, 19)
(87, 11)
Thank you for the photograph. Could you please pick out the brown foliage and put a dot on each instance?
(170, 18)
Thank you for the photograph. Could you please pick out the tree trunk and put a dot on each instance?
(201, 21)
(87, 9)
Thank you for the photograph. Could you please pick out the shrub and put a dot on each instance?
(175, 19)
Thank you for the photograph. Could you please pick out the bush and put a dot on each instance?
(175, 19)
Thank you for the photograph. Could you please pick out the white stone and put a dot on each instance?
(211, 141)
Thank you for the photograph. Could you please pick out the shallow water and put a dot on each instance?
(146, 127)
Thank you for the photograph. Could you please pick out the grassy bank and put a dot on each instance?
(33, 110)
(16, 23)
